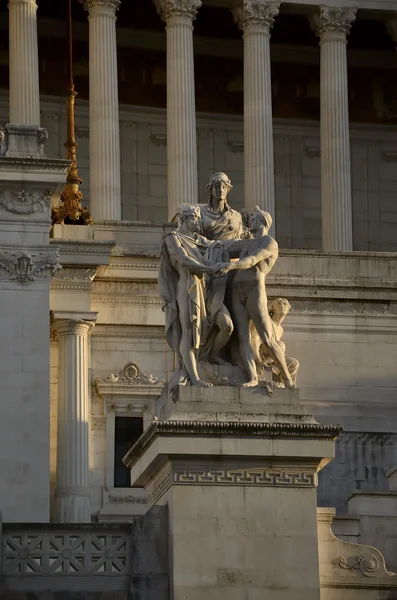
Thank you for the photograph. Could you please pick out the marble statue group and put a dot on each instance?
(212, 279)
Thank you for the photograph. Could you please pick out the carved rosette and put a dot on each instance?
(256, 16)
(333, 23)
(179, 12)
(103, 8)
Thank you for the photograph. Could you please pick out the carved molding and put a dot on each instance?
(265, 430)
(54, 335)
(254, 14)
(131, 374)
(98, 423)
(181, 10)
(25, 202)
(251, 477)
(130, 499)
(333, 22)
(24, 267)
(126, 287)
(75, 274)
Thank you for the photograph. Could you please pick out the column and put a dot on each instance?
(72, 497)
(332, 25)
(181, 111)
(105, 179)
(256, 18)
(24, 64)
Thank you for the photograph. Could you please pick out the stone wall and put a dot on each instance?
(220, 147)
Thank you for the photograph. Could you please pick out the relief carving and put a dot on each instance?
(24, 202)
(24, 267)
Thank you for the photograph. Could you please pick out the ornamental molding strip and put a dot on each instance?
(75, 274)
(257, 13)
(186, 10)
(251, 477)
(24, 267)
(25, 202)
(336, 21)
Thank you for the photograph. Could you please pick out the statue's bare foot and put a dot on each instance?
(251, 383)
(218, 361)
(201, 383)
(289, 384)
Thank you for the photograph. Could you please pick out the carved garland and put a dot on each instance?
(25, 203)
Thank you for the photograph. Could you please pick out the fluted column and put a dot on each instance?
(105, 180)
(24, 64)
(332, 26)
(72, 498)
(256, 18)
(181, 109)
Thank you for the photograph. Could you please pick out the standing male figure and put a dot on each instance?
(249, 299)
(191, 311)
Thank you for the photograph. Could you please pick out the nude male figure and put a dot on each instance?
(190, 315)
(249, 299)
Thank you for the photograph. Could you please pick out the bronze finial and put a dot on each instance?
(71, 211)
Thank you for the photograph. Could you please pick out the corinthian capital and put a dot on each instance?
(334, 21)
(185, 9)
(260, 13)
(105, 8)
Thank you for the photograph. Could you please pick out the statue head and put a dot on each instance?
(260, 218)
(189, 217)
(219, 186)
(279, 307)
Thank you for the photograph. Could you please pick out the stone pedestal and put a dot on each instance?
(240, 485)
(27, 262)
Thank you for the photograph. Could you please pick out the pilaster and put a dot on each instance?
(28, 186)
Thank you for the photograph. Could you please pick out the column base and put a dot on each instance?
(72, 505)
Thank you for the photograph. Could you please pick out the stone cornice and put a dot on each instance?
(229, 429)
(258, 15)
(334, 23)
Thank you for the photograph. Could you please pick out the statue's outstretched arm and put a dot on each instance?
(187, 262)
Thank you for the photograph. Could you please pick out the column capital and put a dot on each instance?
(32, 3)
(181, 9)
(68, 323)
(333, 22)
(256, 13)
(102, 7)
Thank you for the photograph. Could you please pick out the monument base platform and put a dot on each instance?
(237, 469)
